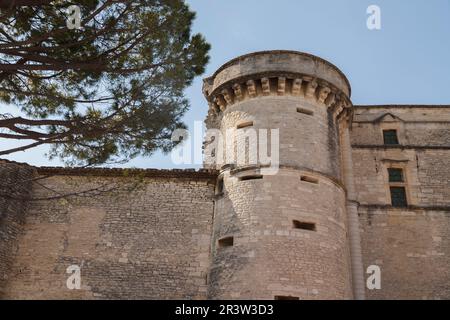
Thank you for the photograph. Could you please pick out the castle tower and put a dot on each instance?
(282, 235)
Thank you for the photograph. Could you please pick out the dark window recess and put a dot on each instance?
(398, 197)
(395, 175)
(245, 124)
(309, 179)
(253, 177)
(305, 111)
(226, 242)
(219, 187)
(390, 137)
(286, 298)
(304, 225)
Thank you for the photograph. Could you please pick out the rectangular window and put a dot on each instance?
(304, 225)
(253, 177)
(395, 175)
(305, 111)
(309, 179)
(226, 242)
(245, 124)
(219, 187)
(286, 298)
(398, 197)
(390, 137)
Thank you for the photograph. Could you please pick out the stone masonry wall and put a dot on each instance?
(412, 248)
(14, 188)
(150, 243)
(150, 237)
(283, 233)
(272, 258)
(411, 245)
(416, 126)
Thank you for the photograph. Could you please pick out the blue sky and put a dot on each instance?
(406, 62)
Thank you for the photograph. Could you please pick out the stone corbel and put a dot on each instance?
(220, 101)
(213, 108)
(311, 89)
(340, 105)
(281, 85)
(297, 87)
(228, 96)
(330, 100)
(323, 94)
(265, 84)
(238, 92)
(251, 87)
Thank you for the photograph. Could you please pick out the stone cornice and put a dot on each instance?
(368, 146)
(389, 207)
(275, 52)
(403, 106)
(408, 121)
(275, 83)
(251, 168)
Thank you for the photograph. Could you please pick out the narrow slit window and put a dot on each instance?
(286, 298)
(395, 175)
(253, 177)
(398, 197)
(219, 187)
(226, 242)
(305, 111)
(309, 179)
(304, 225)
(390, 137)
(245, 124)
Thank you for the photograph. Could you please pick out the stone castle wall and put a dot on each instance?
(411, 245)
(14, 187)
(270, 257)
(308, 232)
(159, 240)
(151, 242)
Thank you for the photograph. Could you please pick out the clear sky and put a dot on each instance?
(406, 62)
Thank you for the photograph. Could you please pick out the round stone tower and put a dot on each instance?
(279, 234)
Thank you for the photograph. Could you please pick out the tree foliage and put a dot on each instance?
(113, 89)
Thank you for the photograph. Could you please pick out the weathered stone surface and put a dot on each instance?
(165, 234)
(411, 245)
(14, 186)
(152, 242)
